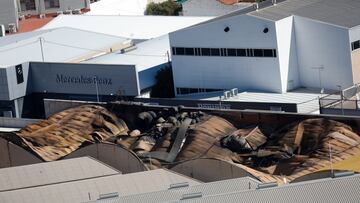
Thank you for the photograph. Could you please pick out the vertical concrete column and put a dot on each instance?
(18, 105)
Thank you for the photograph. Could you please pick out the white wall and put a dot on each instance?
(354, 34)
(227, 72)
(321, 44)
(17, 90)
(286, 42)
(208, 8)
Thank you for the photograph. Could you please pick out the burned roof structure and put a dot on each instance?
(206, 146)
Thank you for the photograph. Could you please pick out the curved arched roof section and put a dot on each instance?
(13, 155)
(209, 170)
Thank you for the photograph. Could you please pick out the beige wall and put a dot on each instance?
(355, 59)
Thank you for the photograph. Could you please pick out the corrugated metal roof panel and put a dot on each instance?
(226, 186)
(90, 189)
(343, 13)
(52, 172)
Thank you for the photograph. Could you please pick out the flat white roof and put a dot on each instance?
(118, 7)
(132, 27)
(58, 45)
(306, 99)
(147, 54)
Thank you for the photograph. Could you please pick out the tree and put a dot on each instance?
(167, 8)
(164, 87)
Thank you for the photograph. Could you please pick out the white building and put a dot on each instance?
(277, 48)
(12, 10)
(210, 7)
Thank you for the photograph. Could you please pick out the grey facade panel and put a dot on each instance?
(88, 79)
(4, 89)
(8, 13)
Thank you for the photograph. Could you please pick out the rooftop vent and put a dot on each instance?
(274, 2)
(127, 49)
(12, 28)
(256, 6)
(343, 174)
(227, 94)
(179, 185)
(267, 185)
(191, 196)
(42, 16)
(234, 92)
(108, 195)
(2, 30)
(67, 12)
(76, 11)
(21, 17)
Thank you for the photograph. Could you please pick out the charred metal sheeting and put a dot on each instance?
(67, 131)
(170, 137)
(176, 147)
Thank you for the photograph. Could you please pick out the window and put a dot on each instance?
(258, 53)
(250, 52)
(189, 51)
(240, 52)
(215, 52)
(49, 4)
(197, 52)
(180, 51)
(355, 45)
(205, 51)
(182, 90)
(27, 5)
(231, 52)
(268, 53)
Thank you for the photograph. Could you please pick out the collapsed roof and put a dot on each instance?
(174, 138)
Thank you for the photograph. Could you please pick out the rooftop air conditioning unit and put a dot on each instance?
(108, 195)
(234, 92)
(76, 11)
(2, 30)
(127, 49)
(67, 12)
(42, 16)
(256, 6)
(227, 94)
(21, 17)
(12, 28)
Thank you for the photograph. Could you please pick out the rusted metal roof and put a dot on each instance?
(67, 131)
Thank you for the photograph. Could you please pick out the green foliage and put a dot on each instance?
(167, 8)
(164, 87)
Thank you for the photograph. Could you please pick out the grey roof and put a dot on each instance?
(212, 188)
(59, 45)
(90, 189)
(14, 178)
(345, 189)
(343, 13)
